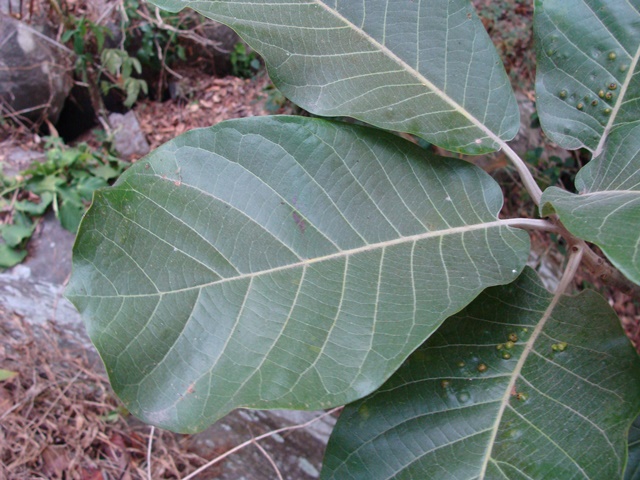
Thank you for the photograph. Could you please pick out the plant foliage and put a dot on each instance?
(286, 262)
(64, 183)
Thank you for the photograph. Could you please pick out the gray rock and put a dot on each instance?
(14, 159)
(50, 252)
(35, 74)
(129, 140)
(224, 37)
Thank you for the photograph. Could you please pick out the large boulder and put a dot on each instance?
(35, 73)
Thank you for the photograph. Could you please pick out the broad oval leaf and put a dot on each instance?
(555, 404)
(607, 211)
(280, 262)
(427, 68)
(586, 81)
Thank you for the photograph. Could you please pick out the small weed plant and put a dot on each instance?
(304, 263)
(95, 65)
(121, 66)
(147, 38)
(244, 62)
(64, 183)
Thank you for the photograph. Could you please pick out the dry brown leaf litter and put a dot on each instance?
(59, 418)
(201, 102)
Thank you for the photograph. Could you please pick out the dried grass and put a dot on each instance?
(60, 419)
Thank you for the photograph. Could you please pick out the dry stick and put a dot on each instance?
(124, 21)
(162, 56)
(269, 459)
(106, 12)
(189, 33)
(257, 439)
(153, 429)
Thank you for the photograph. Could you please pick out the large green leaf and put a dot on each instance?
(280, 262)
(607, 212)
(424, 67)
(586, 81)
(558, 408)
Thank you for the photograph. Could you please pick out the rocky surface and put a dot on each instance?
(128, 138)
(35, 74)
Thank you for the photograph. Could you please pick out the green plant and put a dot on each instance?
(302, 263)
(244, 62)
(148, 39)
(115, 66)
(64, 182)
(87, 39)
(120, 65)
(552, 171)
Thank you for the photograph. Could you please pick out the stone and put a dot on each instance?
(49, 257)
(128, 138)
(14, 159)
(35, 73)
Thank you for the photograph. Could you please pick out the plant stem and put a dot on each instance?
(532, 224)
(575, 258)
(524, 172)
(609, 275)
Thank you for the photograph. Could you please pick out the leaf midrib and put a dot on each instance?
(332, 256)
(618, 104)
(504, 403)
(413, 72)
(407, 68)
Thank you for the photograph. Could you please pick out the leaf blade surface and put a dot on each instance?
(280, 263)
(440, 416)
(586, 80)
(427, 68)
(607, 211)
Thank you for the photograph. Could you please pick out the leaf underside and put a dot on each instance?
(588, 95)
(427, 68)
(280, 262)
(607, 212)
(586, 82)
(559, 407)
